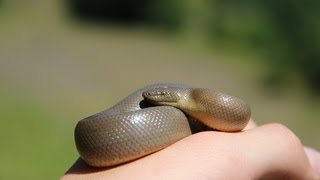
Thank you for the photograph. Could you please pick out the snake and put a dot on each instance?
(153, 118)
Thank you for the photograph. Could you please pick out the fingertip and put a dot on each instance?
(314, 159)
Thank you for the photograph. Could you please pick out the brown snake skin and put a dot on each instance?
(134, 128)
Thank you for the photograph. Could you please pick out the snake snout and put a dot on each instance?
(161, 96)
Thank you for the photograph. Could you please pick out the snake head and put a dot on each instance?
(164, 95)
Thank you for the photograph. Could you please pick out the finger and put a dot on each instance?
(314, 159)
(281, 155)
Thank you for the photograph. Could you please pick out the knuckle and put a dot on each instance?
(285, 135)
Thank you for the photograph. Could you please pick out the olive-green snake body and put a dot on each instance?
(153, 118)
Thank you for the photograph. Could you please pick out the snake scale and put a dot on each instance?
(153, 118)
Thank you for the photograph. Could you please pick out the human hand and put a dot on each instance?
(270, 151)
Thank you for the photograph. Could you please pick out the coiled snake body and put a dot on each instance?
(153, 118)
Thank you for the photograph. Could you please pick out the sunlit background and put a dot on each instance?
(61, 61)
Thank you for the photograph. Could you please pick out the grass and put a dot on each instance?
(33, 144)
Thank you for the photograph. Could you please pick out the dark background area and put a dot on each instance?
(285, 32)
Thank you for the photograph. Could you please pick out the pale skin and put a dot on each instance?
(269, 151)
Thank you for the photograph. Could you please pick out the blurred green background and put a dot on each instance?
(61, 61)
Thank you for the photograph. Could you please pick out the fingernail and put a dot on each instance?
(314, 159)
